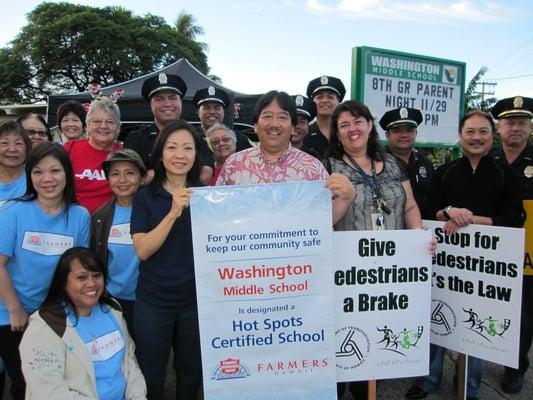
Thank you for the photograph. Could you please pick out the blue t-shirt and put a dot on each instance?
(33, 241)
(106, 346)
(166, 279)
(123, 263)
(13, 189)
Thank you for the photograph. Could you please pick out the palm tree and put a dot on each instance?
(187, 25)
(477, 100)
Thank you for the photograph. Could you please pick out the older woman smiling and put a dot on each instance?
(223, 143)
(103, 126)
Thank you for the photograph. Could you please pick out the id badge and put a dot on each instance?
(378, 222)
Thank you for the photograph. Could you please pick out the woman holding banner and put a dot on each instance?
(384, 197)
(165, 313)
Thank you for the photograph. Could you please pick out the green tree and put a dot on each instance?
(66, 46)
(473, 98)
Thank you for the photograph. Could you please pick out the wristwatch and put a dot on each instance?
(445, 212)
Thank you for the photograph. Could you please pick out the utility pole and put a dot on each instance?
(483, 93)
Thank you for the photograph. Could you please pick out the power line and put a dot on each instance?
(509, 77)
(511, 53)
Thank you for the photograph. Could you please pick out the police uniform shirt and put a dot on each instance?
(419, 170)
(523, 165)
(315, 143)
(492, 190)
(142, 141)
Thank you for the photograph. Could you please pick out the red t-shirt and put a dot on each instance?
(92, 188)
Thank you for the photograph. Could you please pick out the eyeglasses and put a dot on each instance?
(107, 122)
(215, 142)
(33, 132)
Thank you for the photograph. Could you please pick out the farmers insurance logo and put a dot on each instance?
(450, 74)
(48, 244)
(354, 347)
(443, 319)
(487, 328)
(230, 368)
(401, 341)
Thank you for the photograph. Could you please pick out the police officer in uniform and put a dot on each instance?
(400, 126)
(165, 93)
(326, 92)
(514, 127)
(212, 104)
(305, 113)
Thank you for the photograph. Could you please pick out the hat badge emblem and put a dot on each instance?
(403, 113)
(163, 79)
(211, 91)
(324, 80)
(299, 101)
(518, 102)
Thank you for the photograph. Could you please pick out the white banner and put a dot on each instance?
(477, 291)
(382, 300)
(265, 295)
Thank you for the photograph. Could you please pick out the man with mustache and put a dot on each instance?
(514, 127)
(327, 92)
(274, 160)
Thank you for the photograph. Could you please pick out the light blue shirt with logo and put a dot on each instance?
(123, 263)
(105, 344)
(13, 189)
(33, 241)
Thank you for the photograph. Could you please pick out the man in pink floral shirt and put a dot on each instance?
(275, 160)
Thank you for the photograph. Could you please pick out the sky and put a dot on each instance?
(256, 46)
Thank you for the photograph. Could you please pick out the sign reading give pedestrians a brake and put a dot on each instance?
(385, 79)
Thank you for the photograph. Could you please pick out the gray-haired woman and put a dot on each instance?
(103, 126)
(223, 143)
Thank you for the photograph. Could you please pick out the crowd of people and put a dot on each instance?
(97, 284)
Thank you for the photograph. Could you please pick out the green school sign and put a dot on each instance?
(386, 79)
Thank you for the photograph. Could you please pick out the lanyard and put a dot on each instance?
(369, 179)
(371, 182)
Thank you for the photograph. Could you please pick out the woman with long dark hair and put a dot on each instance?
(384, 198)
(81, 328)
(165, 313)
(34, 231)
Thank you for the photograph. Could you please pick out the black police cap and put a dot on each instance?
(513, 107)
(401, 116)
(304, 106)
(326, 83)
(211, 94)
(158, 83)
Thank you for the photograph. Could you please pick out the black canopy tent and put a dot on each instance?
(135, 110)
